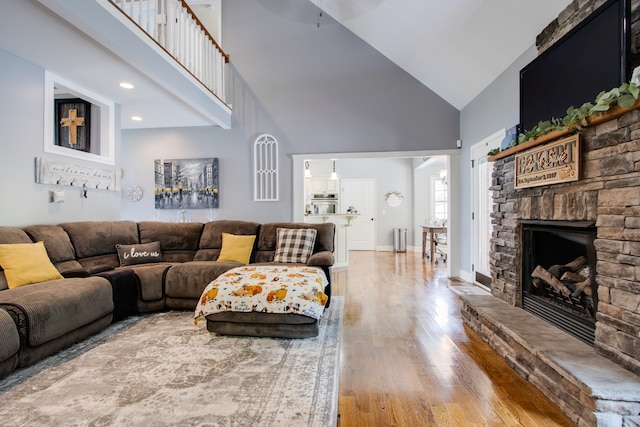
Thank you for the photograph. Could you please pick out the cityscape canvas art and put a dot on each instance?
(186, 183)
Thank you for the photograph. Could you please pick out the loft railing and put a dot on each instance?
(174, 26)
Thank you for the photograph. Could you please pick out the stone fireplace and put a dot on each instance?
(577, 339)
(579, 345)
(608, 195)
(607, 198)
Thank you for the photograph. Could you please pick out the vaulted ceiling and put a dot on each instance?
(454, 47)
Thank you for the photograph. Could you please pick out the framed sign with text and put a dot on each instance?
(552, 163)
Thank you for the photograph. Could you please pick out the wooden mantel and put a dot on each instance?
(611, 114)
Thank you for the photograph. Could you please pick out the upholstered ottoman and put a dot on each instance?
(265, 301)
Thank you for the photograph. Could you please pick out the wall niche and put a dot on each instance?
(87, 120)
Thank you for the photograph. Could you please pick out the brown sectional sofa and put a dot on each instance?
(39, 319)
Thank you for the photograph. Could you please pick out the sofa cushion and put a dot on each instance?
(294, 245)
(178, 241)
(267, 239)
(58, 245)
(49, 310)
(142, 253)
(189, 279)
(26, 263)
(211, 239)
(151, 278)
(95, 241)
(236, 248)
(11, 235)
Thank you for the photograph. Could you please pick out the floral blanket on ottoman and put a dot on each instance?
(266, 289)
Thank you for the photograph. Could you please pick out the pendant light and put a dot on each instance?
(307, 171)
(334, 175)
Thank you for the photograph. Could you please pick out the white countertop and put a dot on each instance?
(347, 218)
(336, 214)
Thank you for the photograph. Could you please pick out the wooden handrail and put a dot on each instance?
(195, 18)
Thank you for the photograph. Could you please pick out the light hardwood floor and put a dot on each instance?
(408, 360)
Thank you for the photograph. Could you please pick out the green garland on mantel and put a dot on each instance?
(625, 96)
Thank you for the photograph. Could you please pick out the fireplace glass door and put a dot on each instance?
(558, 275)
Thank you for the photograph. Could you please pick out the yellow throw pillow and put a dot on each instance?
(236, 248)
(26, 263)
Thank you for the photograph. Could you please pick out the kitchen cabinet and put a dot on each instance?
(324, 185)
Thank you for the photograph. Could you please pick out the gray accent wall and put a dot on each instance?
(235, 160)
(316, 90)
(22, 201)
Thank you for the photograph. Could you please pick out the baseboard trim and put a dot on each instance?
(467, 276)
(390, 249)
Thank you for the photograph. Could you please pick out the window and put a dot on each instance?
(439, 203)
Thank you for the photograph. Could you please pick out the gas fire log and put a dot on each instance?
(576, 264)
(553, 281)
(584, 286)
(570, 276)
(558, 271)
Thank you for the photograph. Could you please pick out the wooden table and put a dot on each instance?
(431, 230)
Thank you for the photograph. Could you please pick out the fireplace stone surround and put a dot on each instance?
(593, 385)
(597, 385)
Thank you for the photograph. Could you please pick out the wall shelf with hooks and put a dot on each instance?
(58, 172)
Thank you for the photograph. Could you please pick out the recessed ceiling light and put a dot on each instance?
(126, 85)
(136, 118)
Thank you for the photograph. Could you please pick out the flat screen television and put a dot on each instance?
(592, 57)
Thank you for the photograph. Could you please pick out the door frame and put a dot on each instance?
(478, 151)
(454, 187)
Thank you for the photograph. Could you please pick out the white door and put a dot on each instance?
(482, 205)
(360, 193)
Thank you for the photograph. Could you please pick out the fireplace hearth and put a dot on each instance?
(558, 275)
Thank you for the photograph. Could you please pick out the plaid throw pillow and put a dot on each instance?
(294, 245)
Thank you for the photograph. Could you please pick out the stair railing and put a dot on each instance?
(176, 28)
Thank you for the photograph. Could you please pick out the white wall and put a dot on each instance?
(22, 201)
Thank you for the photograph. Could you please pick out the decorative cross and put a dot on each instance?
(72, 122)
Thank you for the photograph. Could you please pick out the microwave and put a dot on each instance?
(324, 207)
(324, 196)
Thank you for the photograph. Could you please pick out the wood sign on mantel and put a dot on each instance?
(552, 163)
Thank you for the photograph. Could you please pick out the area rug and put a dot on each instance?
(161, 370)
